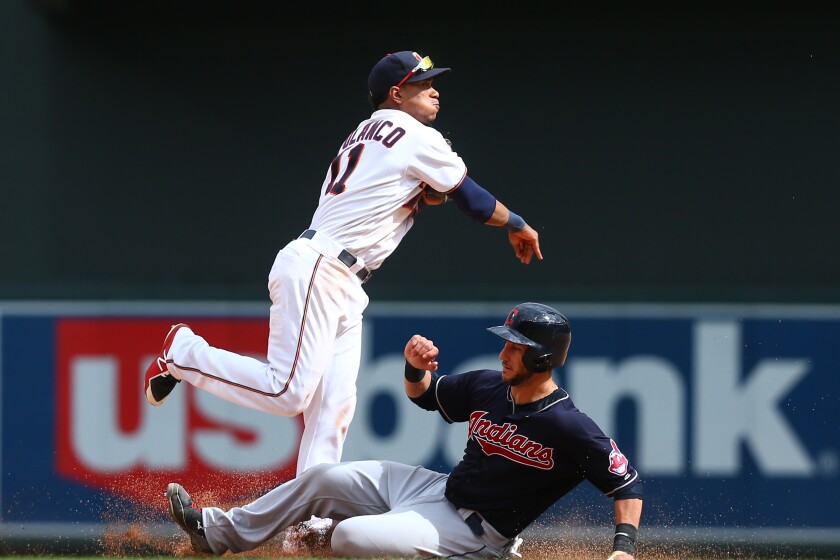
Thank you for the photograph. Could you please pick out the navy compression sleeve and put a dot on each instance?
(474, 201)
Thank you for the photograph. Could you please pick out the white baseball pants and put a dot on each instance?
(314, 351)
(383, 509)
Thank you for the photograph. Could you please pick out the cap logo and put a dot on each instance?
(511, 316)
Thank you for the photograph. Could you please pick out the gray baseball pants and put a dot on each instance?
(382, 509)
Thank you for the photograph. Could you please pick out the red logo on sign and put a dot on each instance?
(109, 437)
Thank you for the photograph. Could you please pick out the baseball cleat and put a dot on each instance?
(513, 548)
(186, 516)
(159, 382)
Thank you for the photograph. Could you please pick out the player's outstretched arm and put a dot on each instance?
(483, 207)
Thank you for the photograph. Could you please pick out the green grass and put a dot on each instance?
(640, 557)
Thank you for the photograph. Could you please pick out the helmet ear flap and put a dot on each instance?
(536, 362)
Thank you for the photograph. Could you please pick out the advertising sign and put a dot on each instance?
(729, 414)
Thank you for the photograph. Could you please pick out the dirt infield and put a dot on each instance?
(133, 530)
(136, 541)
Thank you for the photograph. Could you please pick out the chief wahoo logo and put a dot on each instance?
(618, 462)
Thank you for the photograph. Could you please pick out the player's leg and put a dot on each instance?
(431, 527)
(302, 330)
(326, 421)
(335, 491)
(419, 522)
(327, 418)
(306, 317)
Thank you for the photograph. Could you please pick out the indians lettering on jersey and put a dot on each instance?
(496, 439)
(618, 462)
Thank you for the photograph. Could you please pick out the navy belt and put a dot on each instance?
(344, 256)
(473, 521)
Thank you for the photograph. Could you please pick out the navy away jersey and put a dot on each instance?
(519, 460)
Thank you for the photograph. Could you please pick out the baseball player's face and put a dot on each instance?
(513, 371)
(420, 100)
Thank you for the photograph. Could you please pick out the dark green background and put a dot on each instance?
(155, 152)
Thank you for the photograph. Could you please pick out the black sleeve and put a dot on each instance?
(451, 395)
(628, 492)
(427, 400)
(474, 201)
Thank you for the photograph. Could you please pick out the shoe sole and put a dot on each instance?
(167, 343)
(176, 511)
(176, 506)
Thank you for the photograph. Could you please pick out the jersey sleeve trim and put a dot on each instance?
(614, 490)
(440, 404)
(461, 182)
(458, 186)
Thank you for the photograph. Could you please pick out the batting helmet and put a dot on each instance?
(543, 329)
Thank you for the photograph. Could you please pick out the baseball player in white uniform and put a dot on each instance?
(388, 168)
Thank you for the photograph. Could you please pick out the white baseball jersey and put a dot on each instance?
(367, 204)
(367, 199)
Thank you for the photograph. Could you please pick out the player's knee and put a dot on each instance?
(291, 404)
(341, 541)
(364, 536)
(329, 475)
(332, 477)
(350, 542)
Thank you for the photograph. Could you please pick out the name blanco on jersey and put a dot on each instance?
(375, 130)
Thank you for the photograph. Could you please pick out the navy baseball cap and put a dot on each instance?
(396, 69)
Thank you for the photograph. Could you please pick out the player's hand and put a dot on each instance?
(620, 555)
(421, 353)
(526, 244)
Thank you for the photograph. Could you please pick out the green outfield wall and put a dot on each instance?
(159, 150)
